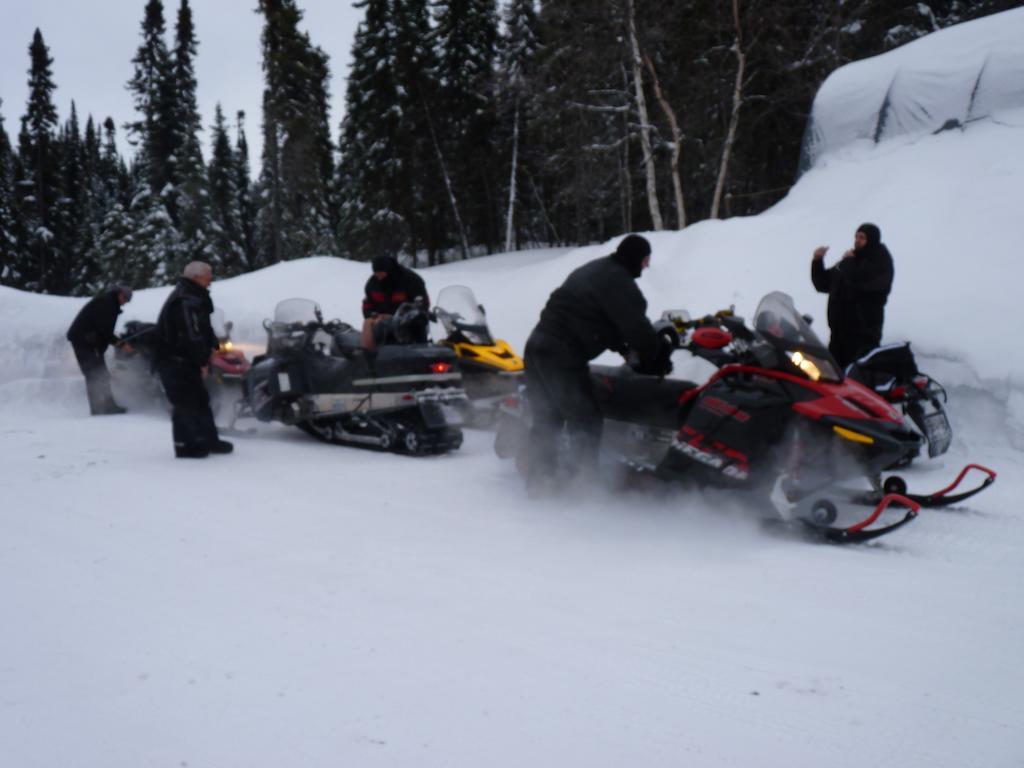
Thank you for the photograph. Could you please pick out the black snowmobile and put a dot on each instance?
(135, 379)
(315, 375)
(777, 418)
(891, 371)
(491, 370)
(132, 376)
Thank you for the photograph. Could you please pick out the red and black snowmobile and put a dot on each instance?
(777, 418)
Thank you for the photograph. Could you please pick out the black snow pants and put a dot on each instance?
(97, 379)
(192, 422)
(561, 397)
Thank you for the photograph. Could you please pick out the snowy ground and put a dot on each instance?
(300, 604)
(297, 604)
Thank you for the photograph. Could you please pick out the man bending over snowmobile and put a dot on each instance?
(389, 287)
(90, 334)
(857, 287)
(598, 307)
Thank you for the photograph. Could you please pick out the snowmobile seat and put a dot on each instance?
(625, 395)
(346, 342)
(884, 367)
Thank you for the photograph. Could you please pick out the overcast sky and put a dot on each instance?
(92, 45)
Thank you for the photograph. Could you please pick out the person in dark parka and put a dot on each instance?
(858, 287)
(390, 286)
(184, 340)
(91, 332)
(598, 307)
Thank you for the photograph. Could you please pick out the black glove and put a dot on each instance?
(663, 365)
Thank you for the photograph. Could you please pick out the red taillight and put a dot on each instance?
(921, 382)
(440, 367)
(898, 392)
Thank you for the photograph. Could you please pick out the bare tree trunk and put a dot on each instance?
(512, 183)
(734, 118)
(645, 123)
(543, 210)
(448, 185)
(677, 143)
(626, 179)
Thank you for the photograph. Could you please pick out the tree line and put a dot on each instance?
(470, 126)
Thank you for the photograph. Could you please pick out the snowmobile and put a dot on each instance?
(892, 373)
(132, 376)
(491, 370)
(315, 375)
(133, 370)
(228, 364)
(777, 418)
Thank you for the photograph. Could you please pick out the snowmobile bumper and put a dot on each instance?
(442, 406)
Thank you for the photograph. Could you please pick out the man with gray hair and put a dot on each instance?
(183, 343)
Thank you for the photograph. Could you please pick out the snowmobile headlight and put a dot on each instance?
(814, 368)
(227, 346)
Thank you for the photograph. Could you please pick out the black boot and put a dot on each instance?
(221, 446)
(191, 451)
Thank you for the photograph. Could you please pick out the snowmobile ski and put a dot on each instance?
(942, 498)
(860, 532)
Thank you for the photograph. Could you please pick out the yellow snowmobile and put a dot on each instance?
(491, 370)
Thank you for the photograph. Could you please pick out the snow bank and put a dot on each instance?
(956, 76)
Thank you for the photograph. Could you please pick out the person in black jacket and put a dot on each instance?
(390, 286)
(91, 332)
(598, 307)
(857, 287)
(184, 340)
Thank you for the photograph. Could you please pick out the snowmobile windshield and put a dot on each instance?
(462, 316)
(778, 321)
(297, 311)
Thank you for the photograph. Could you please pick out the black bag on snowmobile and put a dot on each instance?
(892, 372)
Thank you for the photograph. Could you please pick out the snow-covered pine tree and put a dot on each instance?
(587, 185)
(191, 194)
(152, 88)
(154, 247)
(517, 51)
(225, 233)
(294, 215)
(75, 274)
(154, 206)
(95, 204)
(465, 43)
(114, 248)
(37, 182)
(114, 174)
(370, 169)
(272, 219)
(9, 263)
(243, 195)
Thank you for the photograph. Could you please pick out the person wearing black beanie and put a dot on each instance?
(598, 307)
(858, 287)
(390, 286)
